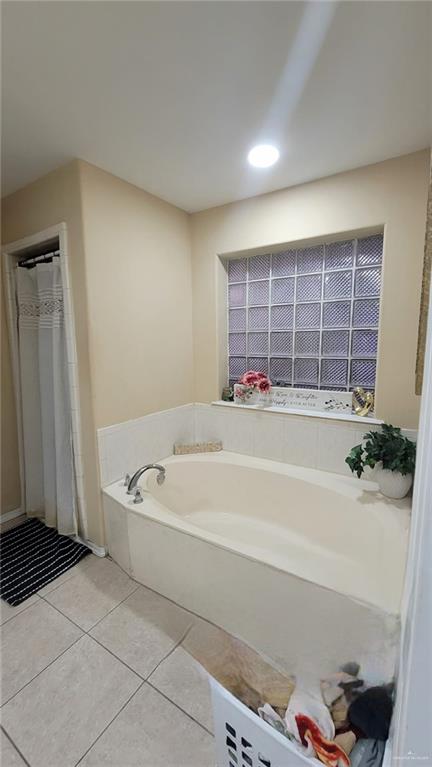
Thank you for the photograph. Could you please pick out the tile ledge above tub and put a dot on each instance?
(330, 415)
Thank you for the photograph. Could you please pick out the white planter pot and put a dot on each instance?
(392, 484)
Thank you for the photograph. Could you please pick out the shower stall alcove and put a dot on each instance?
(44, 365)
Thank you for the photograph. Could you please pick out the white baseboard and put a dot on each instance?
(8, 515)
(99, 551)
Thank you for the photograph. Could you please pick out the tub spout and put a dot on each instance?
(160, 477)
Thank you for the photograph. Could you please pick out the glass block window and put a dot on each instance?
(307, 317)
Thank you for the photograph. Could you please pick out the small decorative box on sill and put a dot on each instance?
(300, 399)
(246, 395)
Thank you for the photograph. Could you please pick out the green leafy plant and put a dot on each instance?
(389, 446)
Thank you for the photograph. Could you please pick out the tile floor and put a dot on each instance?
(94, 672)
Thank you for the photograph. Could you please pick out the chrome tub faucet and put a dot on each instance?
(132, 481)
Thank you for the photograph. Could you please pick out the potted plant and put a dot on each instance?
(391, 455)
(253, 388)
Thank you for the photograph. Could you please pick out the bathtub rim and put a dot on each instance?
(351, 485)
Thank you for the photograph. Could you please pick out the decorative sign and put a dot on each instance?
(307, 399)
(299, 399)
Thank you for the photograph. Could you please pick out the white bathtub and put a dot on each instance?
(300, 563)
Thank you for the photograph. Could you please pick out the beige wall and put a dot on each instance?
(391, 194)
(131, 278)
(139, 282)
(48, 201)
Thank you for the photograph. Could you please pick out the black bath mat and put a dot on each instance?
(32, 555)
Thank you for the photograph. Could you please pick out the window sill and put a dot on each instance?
(333, 416)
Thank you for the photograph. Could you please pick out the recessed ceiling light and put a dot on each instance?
(263, 155)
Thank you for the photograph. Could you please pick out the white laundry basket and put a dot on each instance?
(245, 740)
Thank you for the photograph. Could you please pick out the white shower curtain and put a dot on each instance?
(46, 413)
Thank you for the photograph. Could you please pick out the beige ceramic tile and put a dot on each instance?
(91, 594)
(86, 563)
(300, 441)
(9, 756)
(7, 611)
(30, 642)
(186, 683)
(57, 717)
(143, 629)
(334, 444)
(152, 732)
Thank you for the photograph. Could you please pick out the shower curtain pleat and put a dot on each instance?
(48, 455)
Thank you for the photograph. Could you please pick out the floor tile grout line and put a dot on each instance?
(117, 657)
(114, 608)
(164, 695)
(148, 588)
(142, 682)
(6, 734)
(41, 671)
(86, 631)
(108, 559)
(143, 679)
(111, 652)
(170, 652)
(64, 615)
(81, 572)
(21, 611)
(88, 634)
(140, 676)
(134, 671)
(158, 593)
(59, 585)
(178, 605)
(110, 722)
(42, 596)
(155, 687)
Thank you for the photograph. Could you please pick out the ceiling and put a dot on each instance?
(171, 95)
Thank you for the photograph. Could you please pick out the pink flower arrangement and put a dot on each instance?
(255, 380)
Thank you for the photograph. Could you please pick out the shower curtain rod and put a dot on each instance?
(33, 260)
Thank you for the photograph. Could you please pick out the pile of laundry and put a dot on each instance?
(342, 723)
(339, 721)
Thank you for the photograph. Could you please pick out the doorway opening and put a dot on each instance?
(44, 364)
